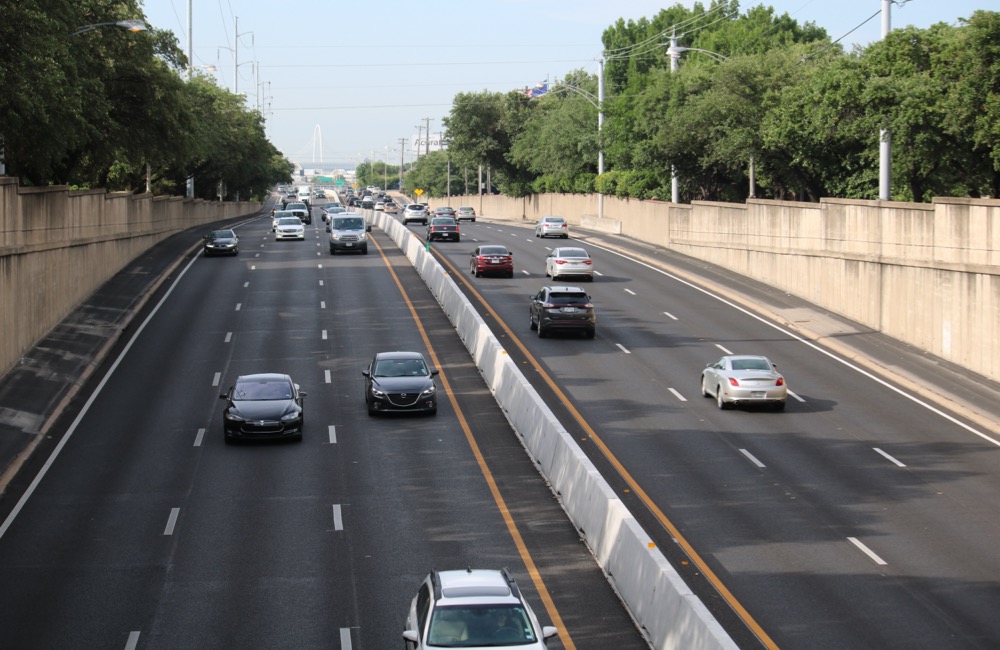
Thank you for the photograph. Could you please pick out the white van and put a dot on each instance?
(304, 192)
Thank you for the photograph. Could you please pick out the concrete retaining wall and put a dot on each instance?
(671, 616)
(926, 274)
(57, 246)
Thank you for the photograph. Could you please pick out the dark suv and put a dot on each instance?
(562, 308)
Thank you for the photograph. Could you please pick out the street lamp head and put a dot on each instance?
(132, 25)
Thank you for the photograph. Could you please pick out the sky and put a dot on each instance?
(344, 82)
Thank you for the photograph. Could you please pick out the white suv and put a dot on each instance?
(473, 608)
(415, 212)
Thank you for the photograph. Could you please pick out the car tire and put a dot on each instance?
(473, 220)
(590, 278)
(531, 323)
(364, 251)
(565, 237)
(719, 399)
(333, 251)
(589, 334)
(475, 271)
(779, 406)
(510, 274)
(704, 388)
(542, 332)
(372, 412)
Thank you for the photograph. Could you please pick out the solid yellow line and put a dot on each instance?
(522, 549)
(632, 483)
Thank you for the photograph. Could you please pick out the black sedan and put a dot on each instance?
(400, 382)
(222, 242)
(261, 406)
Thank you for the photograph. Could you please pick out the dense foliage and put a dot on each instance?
(751, 88)
(101, 107)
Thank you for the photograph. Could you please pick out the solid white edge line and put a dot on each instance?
(753, 459)
(796, 396)
(630, 291)
(867, 551)
(200, 437)
(721, 347)
(808, 343)
(332, 430)
(888, 457)
(677, 394)
(623, 348)
(171, 521)
(133, 640)
(345, 638)
(669, 315)
(30, 490)
(338, 519)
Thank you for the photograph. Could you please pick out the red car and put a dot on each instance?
(492, 259)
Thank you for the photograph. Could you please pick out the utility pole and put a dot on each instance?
(428, 149)
(190, 53)
(885, 136)
(419, 131)
(402, 146)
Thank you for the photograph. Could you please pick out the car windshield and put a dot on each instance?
(283, 213)
(348, 223)
(262, 390)
(572, 252)
(400, 368)
(223, 234)
(492, 250)
(295, 206)
(750, 364)
(477, 626)
(567, 298)
(289, 221)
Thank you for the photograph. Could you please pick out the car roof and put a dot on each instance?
(476, 585)
(557, 288)
(553, 219)
(399, 355)
(264, 377)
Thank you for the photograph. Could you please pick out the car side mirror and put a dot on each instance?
(434, 373)
(368, 228)
(302, 393)
(411, 636)
(329, 229)
(366, 373)
(223, 396)
(549, 631)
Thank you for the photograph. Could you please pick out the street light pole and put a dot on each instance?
(885, 135)
(675, 195)
(190, 53)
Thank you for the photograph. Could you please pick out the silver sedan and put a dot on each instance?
(552, 227)
(569, 261)
(744, 379)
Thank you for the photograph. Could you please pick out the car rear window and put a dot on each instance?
(567, 298)
(493, 250)
(573, 252)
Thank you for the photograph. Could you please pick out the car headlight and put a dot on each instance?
(288, 417)
(233, 416)
(377, 393)
(429, 391)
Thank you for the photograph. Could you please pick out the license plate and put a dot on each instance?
(569, 310)
(758, 393)
(349, 244)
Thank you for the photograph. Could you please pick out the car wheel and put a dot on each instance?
(510, 274)
(364, 251)
(542, 332)
(589, 334)
(473, 221)
(779, 406)
(590, 278)
(333, 251)
(474, 271)
(719, 400)
(531, 323)
(565, 236)
(704, 387)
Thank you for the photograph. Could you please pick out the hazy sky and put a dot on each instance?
(341, 82)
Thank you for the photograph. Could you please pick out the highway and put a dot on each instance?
(858, 518)
(861, 517)
(148, 531)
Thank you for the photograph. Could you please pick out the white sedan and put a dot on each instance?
(744, 379)
(289, 228)
(562, 262)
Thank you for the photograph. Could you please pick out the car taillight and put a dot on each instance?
(733, 382)
(560, 261)
(780, 382)
(588, 261)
